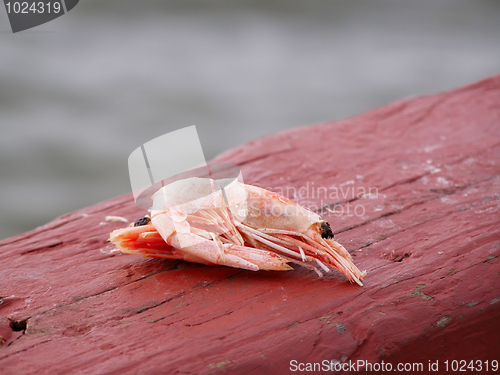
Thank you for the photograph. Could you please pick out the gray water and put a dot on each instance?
(79, 94)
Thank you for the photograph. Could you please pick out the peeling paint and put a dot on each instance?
(420, 294)
(444, 321)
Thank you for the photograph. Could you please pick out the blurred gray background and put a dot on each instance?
(79, 94)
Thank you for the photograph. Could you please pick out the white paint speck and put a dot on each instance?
(350, 182)
(470, 161)
(385, 223)
(432, 148)
(120, 219)
(442, 181)
(434, 169)
(448, 200)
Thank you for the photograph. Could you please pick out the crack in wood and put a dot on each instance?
(209, 320)
(441, 229)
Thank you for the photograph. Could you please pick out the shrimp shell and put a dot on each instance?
(236, 225)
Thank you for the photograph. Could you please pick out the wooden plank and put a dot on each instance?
(412, 189)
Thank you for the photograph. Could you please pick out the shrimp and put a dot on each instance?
(233, 224)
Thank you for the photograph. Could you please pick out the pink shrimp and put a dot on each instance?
(238, 225)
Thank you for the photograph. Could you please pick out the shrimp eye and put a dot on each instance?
(326, 231)
(142, 221)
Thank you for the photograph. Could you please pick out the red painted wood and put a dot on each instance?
(429, 238)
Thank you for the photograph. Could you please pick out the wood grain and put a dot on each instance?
(424, 176)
